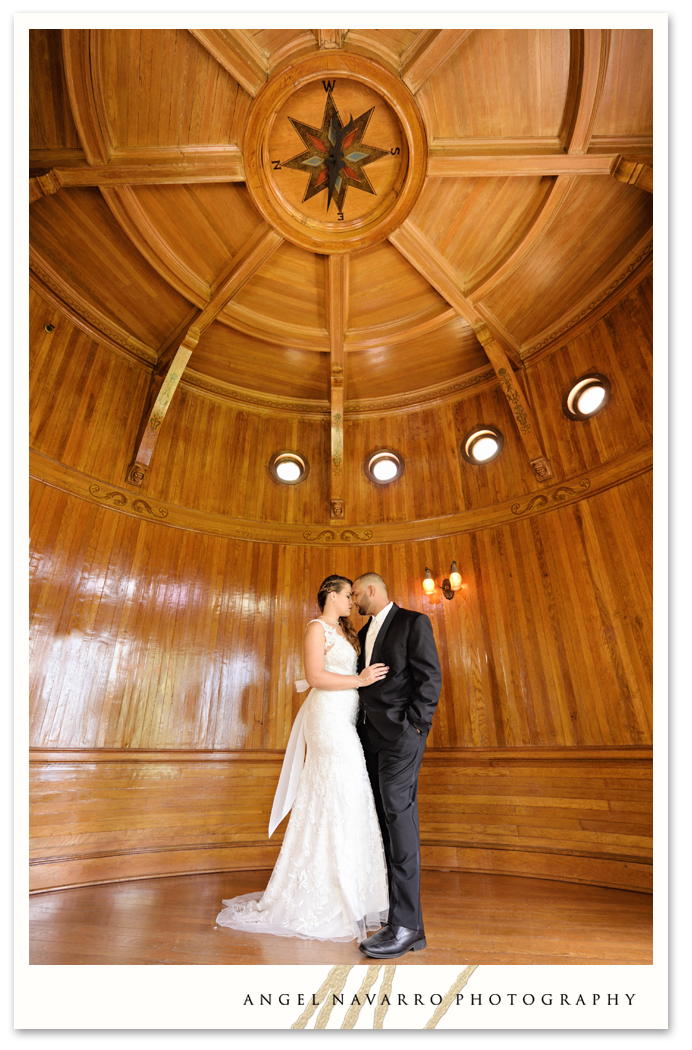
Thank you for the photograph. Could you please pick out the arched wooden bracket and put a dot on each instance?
(44, 185)
(523, 417)
(238, 54)
(257, 249)
(634, 174)
(137, 471)
(428, 50)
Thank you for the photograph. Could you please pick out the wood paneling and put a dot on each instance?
(289, 288)
(78, 235)
(87, 403)
(475, 223)
(568, 814)
(501, 82)
(51, 125)
(84, 401)
(165, 89)
(450, 351)
(385, 288)
(575, 256)
(626, 106)
(149, 636)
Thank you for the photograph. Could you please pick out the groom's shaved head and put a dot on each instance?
(372, 579)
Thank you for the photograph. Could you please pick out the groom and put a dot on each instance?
(393, 724)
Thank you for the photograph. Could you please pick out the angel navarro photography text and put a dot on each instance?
(436, 998)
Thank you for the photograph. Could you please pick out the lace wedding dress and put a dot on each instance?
(330, 881)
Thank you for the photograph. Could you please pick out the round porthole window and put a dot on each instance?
(587, 396)
(482, 444)
(384, 466)
(288, 468)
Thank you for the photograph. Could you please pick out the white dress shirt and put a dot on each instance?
(373, 630)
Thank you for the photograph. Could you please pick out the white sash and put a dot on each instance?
(292, 765)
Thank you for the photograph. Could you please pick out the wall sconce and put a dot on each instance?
(449, 586)
(429, 581)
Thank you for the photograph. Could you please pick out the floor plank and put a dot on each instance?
(470, 918)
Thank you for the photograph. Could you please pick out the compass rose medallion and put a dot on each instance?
(336, 155)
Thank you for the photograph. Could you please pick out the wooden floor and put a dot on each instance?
(469, 918)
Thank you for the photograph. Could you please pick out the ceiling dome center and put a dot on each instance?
(335, 152)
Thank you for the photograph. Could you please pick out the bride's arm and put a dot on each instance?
(317, 677)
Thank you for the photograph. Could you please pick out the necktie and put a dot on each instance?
(370, 640)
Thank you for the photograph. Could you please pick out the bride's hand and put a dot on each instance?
(373, 673)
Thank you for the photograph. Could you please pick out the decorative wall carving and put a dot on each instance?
(74, 482)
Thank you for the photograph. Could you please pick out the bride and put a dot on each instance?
(330, 881)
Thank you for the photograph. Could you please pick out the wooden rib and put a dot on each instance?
(590, 48)
(523, 416)
(400, 330)
(80, 89)
(158, 165)
(270, 330)
(336, 289)
(244, 264)
(429, 49)
(235, 51)
(551, 206)
(451, 159)
(633, 174)
(429, 262)
(135, 222)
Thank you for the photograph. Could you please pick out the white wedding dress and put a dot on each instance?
(330, 881)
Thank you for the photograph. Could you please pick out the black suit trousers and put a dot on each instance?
(393, 767)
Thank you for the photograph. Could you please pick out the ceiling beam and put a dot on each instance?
(523, 417)
(237, 53)
(176, 353)
(336, 302)
(451, 159)
(428, 50)
(588, 67)
(431, 264)
(79, 78)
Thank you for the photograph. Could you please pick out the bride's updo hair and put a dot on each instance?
(337, 583)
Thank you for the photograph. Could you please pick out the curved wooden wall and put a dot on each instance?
(163, 658)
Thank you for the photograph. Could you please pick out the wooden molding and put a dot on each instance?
(450, 159)
(622, 144)
(437, 394)
(590, 49)
(152, 166)
(571, 490)
(428, 50)
(263, 403)
(634, 174)
(400, 330)
(236, 52)
(272, 330)
(79, 78)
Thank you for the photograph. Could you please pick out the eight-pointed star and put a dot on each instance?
(352, 156)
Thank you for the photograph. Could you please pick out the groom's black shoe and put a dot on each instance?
(392, 941)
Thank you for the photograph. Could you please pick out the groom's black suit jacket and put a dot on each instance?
(410, 692)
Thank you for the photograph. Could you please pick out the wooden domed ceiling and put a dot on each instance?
(491, 197)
